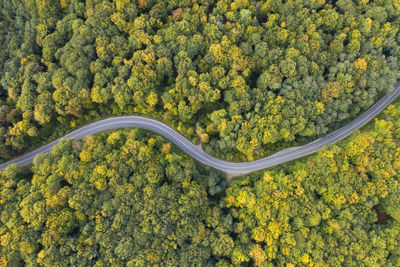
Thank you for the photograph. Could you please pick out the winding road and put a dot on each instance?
(232, 169)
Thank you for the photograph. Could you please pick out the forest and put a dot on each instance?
(131, 198)
(249, 78)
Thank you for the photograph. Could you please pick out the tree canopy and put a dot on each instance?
(131, 198)
(246, 77)
(253, 75)
(122, 198)
(339, 207)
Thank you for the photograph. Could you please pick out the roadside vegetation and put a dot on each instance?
(248, 77)
(131, 198)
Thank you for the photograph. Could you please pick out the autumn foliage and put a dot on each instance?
(256, 76)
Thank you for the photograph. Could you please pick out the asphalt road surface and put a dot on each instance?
(231, 168)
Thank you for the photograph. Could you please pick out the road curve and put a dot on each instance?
(231, 168)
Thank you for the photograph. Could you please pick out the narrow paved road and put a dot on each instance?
(231, 168)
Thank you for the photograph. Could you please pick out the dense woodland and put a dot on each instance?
(340, 207)
(130, 198)
(247, 76)
(123, 198)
